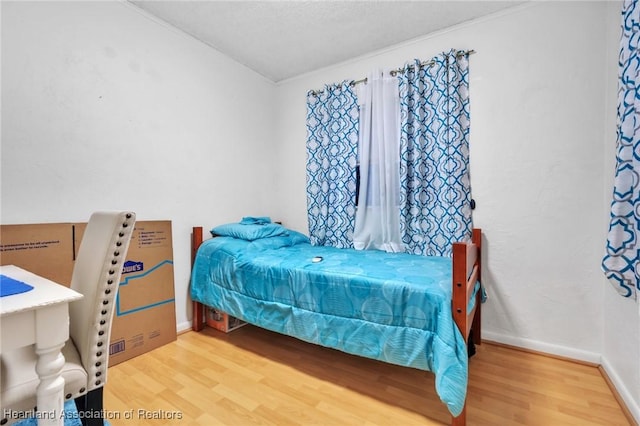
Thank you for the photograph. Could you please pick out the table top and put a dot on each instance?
(45, 292)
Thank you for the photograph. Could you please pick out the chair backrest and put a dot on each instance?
(96, 274)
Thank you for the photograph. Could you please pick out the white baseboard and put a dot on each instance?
(625, 394)
(183, 326)
(534, 345)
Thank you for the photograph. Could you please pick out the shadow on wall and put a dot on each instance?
(494, 296)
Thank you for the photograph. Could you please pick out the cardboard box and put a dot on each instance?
(144, 316)
(145, 313)
(222, 321)
(44, 249)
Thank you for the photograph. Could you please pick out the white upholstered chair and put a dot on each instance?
(96, 274)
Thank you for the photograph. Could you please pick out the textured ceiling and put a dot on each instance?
(283, 39)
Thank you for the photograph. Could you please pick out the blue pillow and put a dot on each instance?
(298, 237)
(249, 232)
(255, 220)
(271, 243)
(289, 240)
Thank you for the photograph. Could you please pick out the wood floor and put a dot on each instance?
(253, 376)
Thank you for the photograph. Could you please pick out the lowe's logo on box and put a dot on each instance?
(131, 266)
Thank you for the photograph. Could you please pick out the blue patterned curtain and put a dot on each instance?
(620, 263)
(434, 144)
(332, 125)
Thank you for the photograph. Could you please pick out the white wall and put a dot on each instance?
(538, 124)
(105, 108)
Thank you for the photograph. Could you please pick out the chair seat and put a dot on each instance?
(18, 378)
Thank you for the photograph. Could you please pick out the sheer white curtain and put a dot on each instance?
(377, 222)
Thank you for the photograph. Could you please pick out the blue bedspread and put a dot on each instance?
(391, 307)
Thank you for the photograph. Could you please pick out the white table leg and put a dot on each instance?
(50, 390)
(52, 331)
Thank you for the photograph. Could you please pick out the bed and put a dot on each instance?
(409, 310)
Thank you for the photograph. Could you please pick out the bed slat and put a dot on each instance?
(471, 283)
(472, 255)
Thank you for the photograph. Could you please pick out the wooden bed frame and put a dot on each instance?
(466, 273)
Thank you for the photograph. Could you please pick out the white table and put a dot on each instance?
(41, 317)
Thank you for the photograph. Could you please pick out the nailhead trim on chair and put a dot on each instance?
(100, 354)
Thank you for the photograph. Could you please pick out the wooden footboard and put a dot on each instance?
(466, 273)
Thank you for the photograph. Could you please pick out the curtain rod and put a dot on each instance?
(398, 71)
